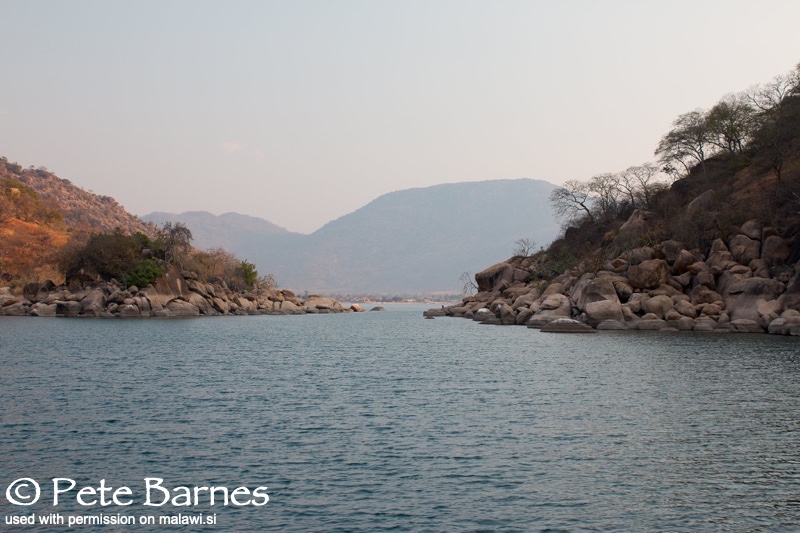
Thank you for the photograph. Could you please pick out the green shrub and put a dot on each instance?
(143, 274)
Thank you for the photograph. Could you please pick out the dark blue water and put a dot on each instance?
(389, 422)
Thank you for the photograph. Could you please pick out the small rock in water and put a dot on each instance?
(567, 325)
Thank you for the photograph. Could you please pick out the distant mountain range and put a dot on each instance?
(415, 240)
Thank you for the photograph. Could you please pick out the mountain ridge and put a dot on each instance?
(412, 240)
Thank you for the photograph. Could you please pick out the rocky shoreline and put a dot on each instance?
(176, 294)
(742, 284)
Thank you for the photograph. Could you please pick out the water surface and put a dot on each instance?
(386, 421)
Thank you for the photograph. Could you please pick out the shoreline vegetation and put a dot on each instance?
(174, 294)
(708, 239)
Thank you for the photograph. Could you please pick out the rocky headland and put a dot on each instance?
(176, 294)
(748, 283)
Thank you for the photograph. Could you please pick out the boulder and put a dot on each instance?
(523, 315)
(702, 294)
(683, 280)
(168, 287)
(638, 255)
(683, 323)
(587, 291)
(356, 308)
(746, 326)
(43, 309)
(648, 274)
(68, 308)
(129, 311)
(181, 308)
(744, 249)
(322, 303)
(743, 297)
(682, 262)
(760, 268)
(480, 315)
(219, 304)
(611, 325)
(650, 324)
(669, 250)
(553, 288)
(751, 229)
(506, 315)
(567, 325)
(658, 305)
(378, 308)
(597, 312)
(768, 311)
(705, 279)
(702, 203)
(488, 279)
(686, 309)
(203, 306)
(524, 301)
(775, 251)
(436, 311)
(17, 309)
(623, 288)
(638, 223)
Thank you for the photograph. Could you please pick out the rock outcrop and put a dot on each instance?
(176, 294)
(745, 283)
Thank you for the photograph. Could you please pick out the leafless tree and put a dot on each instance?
(524, 247)
(767, 96)
(572, 200)
(468, 286)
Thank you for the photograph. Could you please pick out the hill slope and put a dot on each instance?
(415, 240)
(39, 212)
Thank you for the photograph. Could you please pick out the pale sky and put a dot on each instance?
(302, 111)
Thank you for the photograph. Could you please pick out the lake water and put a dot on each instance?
(389, 422)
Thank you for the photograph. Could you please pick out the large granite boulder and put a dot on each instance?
(669, 250)
(168, 287)
(743, 297)
(68, 308)
(744, 249)
(181, 308)
(649, 274)
(322, 303)
(589, 290)
(702, 203)
(775, 251)
(603, 310)
(658, 305)
(683, 261)
(488, 279)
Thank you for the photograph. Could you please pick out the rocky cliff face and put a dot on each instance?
(176, 294)
(749, 282)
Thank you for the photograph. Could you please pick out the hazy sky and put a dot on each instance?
(302, 111)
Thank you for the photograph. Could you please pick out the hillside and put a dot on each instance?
(40, 212)
(415, 240)
(717, 248)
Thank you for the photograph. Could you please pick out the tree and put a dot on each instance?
(571, 200)
(639, 183)
(175, 242)
(607, 195)
(524, 247)
(686, 142)
(768, 96)
(468, 286)
(730, 123)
